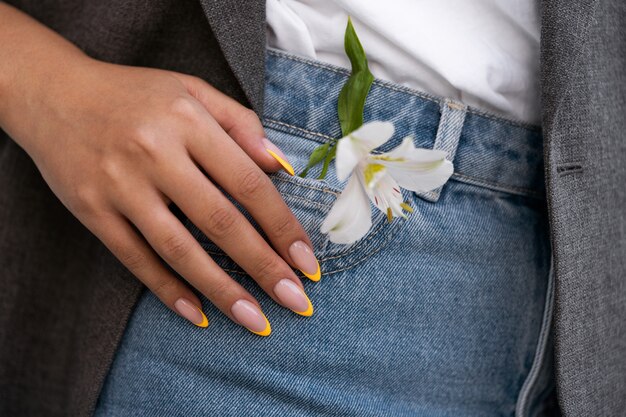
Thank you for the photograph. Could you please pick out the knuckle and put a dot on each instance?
(283, 226)
(85, 199)
(184, 108)
(248, 116)
(267, 267)
(246, 119)
(217, 290)
(176, 247)
(164, 287)
(112, 170)
(252, 184)
(144, 140)
(134, 260)
(221, 222)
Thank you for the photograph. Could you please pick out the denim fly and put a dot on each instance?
(445, 313)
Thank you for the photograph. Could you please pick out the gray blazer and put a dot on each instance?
(65, 300)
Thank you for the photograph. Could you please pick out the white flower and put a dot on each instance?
(379, 178)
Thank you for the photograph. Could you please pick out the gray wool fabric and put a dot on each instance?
(65, 299)
(583, 79)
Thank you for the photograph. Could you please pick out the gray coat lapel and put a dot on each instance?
(583, 62)
(239, 26)
(564, 28)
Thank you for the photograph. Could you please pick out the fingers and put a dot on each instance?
(226, 226)
(177, 247)
(130, 248)
(248, 185)
(240, 123)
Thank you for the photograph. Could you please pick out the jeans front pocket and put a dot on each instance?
(310, 201)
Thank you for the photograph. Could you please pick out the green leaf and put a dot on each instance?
(351, 101)
(329, 157)
(353, 94)
(316, 157)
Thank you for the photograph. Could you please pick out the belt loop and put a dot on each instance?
(448, 135)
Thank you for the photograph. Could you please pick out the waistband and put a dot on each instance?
(488, 150)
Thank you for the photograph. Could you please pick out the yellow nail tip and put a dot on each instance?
(308, 312)
(266, 331)
(314, 277)
(204, 322)
(286, 165)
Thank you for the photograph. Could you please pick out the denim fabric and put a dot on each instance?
(445, 313)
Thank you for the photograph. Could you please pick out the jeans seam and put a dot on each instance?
(457, 175)
(529, 385)
(377, 248)
(363, 242)
(267, 120)
(368, 255)
(307, 200)
(401, 89)
(480, 182)
(327, 190)
(449, 129)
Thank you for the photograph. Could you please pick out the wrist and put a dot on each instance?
(33, 90)
(32, 57)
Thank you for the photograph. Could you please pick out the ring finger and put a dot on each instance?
(177, 247)
(225, 225)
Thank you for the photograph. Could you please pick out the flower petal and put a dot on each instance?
(349, 153)
(416, 169)
(407, 150)
(418, 179)
(350, 217)
(373, 134)
(356, 146)
(386, 195)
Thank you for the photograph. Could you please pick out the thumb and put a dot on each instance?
(240, 123)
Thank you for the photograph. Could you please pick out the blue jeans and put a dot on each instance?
(445, 313)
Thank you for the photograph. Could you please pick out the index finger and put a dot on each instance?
(254, 190)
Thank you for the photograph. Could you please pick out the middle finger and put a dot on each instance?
(239, 175)
(208, 208)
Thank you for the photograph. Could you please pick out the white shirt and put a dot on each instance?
(482, 52)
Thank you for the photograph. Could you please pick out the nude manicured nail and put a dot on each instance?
(278, 155)
(249, 316)
(191, 312)
(293, 297)
(302, 255)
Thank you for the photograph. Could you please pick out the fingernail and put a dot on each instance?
(191, 312)
(278, 155)
(293, 297)
(249, 316)
(305, 260)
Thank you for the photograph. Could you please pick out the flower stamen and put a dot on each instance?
(379, 178)
(386, 158)
(406, 206)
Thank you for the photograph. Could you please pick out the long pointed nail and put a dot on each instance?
(191, 312)
(249, 316)
(293, 297)
(278, 155)
(305, 260)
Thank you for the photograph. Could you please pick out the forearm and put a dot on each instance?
(31, 58)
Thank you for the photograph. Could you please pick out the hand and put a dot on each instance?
(117, 144)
